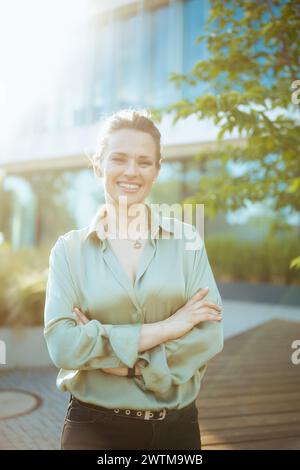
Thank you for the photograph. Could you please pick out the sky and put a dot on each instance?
(35, 44)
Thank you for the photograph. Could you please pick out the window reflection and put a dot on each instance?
(136, 53)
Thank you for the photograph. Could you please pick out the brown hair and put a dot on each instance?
(139, 120)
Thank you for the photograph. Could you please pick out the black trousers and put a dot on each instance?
(87, 428)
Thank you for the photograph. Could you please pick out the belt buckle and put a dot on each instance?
(149, 414)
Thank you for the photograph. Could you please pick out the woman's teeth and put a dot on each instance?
(129, 186)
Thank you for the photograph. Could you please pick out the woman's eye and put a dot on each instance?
(119, 160)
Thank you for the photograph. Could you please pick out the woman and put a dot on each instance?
(127, 318)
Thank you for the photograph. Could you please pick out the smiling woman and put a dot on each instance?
(131, 329)
(129, 165)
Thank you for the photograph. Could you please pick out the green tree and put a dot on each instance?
(250, 74)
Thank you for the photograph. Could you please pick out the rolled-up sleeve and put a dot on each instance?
(90, 346)
(176, 361)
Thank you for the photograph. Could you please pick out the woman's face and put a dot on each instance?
(128, 166)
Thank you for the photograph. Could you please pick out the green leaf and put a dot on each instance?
(295, 263)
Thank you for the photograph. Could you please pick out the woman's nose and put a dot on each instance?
(131, 168)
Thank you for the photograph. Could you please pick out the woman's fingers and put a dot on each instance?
(206, 314)
(81, 318)
(78, 318)
(199, 295)
(197, 300)
(209, 314)
(214, 317)
(208, 304)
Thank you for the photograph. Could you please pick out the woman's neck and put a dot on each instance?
(127, 221)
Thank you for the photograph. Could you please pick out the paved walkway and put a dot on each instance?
(250, 393)
(41, 428)
(240, 317)
(257, 362)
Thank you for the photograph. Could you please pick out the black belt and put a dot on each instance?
(138, 414)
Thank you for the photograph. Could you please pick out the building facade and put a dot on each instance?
(124, 55)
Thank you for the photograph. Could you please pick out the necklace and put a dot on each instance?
(137, 244)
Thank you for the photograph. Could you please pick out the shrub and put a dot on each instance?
(23, 277)
(265, 261)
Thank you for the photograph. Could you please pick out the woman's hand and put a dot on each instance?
(81, 319)
(196, 310)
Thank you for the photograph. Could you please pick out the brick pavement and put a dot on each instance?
(41, 428)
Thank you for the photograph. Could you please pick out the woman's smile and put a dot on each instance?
(129, 187)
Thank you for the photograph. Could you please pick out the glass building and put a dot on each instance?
(125, 53)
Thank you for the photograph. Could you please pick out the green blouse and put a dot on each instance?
(85, 273)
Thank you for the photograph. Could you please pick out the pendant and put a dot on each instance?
(137, 244)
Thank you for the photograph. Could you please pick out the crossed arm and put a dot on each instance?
(156, 334)
(151, 335)
(75, 342)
